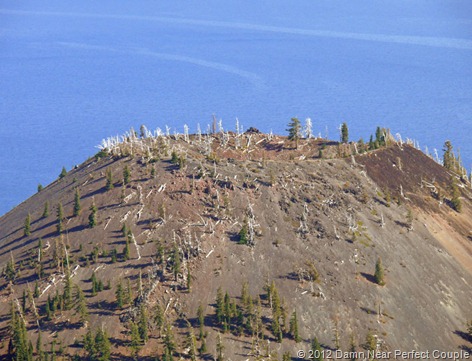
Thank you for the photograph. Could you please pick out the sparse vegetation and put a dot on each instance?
(163, 241)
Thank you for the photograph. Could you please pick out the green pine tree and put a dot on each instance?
(220, 306)
(10, 270)
(67, 293)
(60, 218)
(294, 130)
(93, 215)
(243, 234)
(379, 272)
(169, 343)
(36, 289)
(203, 348)
(317, 350)
(46, 210)
(126, 251)
(63, 173)
(120, 296)
(192, 345)
(448, 157)
(294, 327)
(77, 207)
(201, 322)
(126, 175)
(102, 346)
(81, 308)
(344, 133)
(39, 346)
(94, 281)
(109, 177)
(143, 324)
(27, 230)
(135, 343)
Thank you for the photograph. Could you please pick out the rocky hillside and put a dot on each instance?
(246, 243)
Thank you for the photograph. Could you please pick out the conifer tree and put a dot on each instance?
(201, 322)
(370, 342)
(143, 324)
(19, 349)
(245, 298)
(124, 230)
(219, 348)
(448, 157)
(63, 173)
(67, 293)
(89, 344)
(93, 215)
(294, 130)
(169, 343)
(220, 306)
(39, 347)
(380, 137)
(126, 175)
(23, 301)
(126, 250)
(317, 350)
(379, 272)
(203, 348)
(129, 292)
(344, 133)
(102, 346)
(40, 187)
(10, 270)
(93, 279)
(109, 176)
(27, 230)
(192, 345)
(294, 327)
(158, 317)
(135, 343)
(119, 293)
(36, 289)
(243, 234)
(176, 262)
(227, 313)
(46, 210)
(81, 307)
(60, 218)
(77, 207)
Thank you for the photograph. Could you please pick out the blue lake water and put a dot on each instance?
(72, 73)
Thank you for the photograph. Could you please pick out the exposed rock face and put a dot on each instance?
(303, 215)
